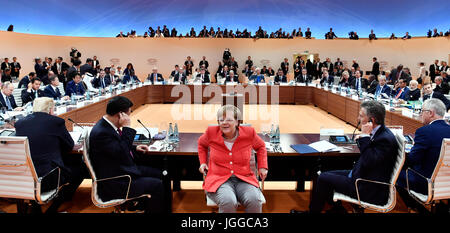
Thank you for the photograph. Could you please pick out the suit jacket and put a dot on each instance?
(235, 79)
(11, 100)
(440, 96)
(64, 66)
(329, 80)
(386, 89)
(282, 79)
(205, 79)
(376, 68)
(203, 63)
(425, 152)
(87, 68)
(40, 70)
(5, 65)
(433, 69)
(13, 69)
(6, 78)
(49, 92)
(443, 88)
(48, 138)
(348, 83)
(96, 82)
(301, 79)
(71, 72)
(178, 77)
(403, 95)
(376, 162)
(23, 83)
(73, 88)
(285, 67)
(393, 75)
(222, 161)
(110, 156)
(30, 96)
(413, 95)
(159, 77)
(127, 79)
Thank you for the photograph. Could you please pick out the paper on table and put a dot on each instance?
(156, 146)
(323, 146)
(143, 131)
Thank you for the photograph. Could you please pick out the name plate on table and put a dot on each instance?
(140, 84)
(158, 83)
(119, 92)
(262, 84)
(343, 94)
(108, 95)
(175, 83)
(355, 97)
(60, 110)
(231, 84)
(80, 104)
(284, 84)
(127, 89)
(301, 84)
(407, 112)
(333, 91)
(96, 99)
(197, 84)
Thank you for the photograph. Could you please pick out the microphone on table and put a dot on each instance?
(149, 134)
(353, 135)
(75, 123)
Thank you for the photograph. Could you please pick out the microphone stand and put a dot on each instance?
(75, 123)
(149, 134)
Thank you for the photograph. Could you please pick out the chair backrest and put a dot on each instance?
(441, 174)
(17, 174)
(86, 147)
(17, 93)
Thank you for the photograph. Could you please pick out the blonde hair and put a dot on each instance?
(43, 104)
(237, 115)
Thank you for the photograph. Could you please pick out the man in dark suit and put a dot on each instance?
(232, 77)
(32, 92)
(441, 86)
(52, 90)
(400, 90)
(177, 75)
(50, 144)
(378, 148)
(308, 33)
(5, 64)
(326, 78)
(375, 67)
(23, 83)
(72, 71)
(280, 77)
(330, 35)
(382, 88)
(6, 75)
(59, 66)
(303, 77)
(102, 81)
(425, 152)
(414, 92)
(397, 74)
(434, 70)
(203, 77)
(113, 154)
(155, 76)
(7, 99)
(203, 62)
(15, 68)
(285, 66)
(429, 93)
(75, 86)
(359, 82)
(87, 67)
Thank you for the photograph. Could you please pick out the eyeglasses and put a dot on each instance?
(425, 110)
(228, 120)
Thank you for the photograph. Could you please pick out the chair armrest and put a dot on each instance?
(40, 179)
(370, 181)
(416, 172)
(117, 177)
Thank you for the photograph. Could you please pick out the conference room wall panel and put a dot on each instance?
(164, 53)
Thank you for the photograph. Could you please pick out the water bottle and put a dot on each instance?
(272, 134)
(110, 89)
(170, 132)
(176, 136)
(277, 134)
(390, 101)
(88, 95)
(72, 98)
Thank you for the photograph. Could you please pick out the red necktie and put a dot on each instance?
(399, 93)
(120, 133)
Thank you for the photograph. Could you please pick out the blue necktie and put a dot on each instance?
(8, 104)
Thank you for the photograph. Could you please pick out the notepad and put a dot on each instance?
(316, 147)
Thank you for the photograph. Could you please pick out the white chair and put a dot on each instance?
(17, 93)
(18, 177)
(94, 194)
(390, 204)
(439, 182)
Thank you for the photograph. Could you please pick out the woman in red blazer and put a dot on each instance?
(230, 180)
